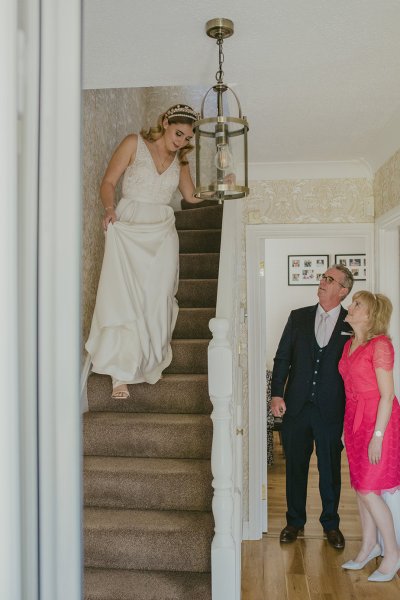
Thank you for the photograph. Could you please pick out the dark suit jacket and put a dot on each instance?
(294, 366)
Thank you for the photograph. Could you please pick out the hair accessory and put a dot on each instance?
(182, 110)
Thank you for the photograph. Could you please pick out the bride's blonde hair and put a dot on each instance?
(179, 113)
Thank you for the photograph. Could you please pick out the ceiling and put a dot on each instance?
(318, 80)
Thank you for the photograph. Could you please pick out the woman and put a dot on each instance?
(372, 428)
(136, 309)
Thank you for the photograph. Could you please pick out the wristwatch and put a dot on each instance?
(378, 433)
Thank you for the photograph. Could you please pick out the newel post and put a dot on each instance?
(220, 377)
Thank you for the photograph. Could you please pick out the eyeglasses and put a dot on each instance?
(330, 280)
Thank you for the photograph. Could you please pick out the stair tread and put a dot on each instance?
(147, 483)
(149, 418)
(199, 240)
(130, 519)
(186, 341)
(109, 584)
(169, 377)
(200, 255)
(192, 279)
(171, 540)
(147, 435)
(199, 231)
(197, 309)
(205, 205)
(129, 464)
(176, 393)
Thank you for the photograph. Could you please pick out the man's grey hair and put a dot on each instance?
(348, 276)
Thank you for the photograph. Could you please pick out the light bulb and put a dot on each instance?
(223, 158)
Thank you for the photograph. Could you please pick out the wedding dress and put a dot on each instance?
(136, 309)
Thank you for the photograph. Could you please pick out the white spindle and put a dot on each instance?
(220, 378)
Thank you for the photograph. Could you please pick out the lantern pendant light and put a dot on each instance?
(221, 140)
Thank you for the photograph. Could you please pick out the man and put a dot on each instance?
(307, 391)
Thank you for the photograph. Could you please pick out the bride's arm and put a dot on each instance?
(120, 160)
(186, 186)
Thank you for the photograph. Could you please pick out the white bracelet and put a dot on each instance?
(108, 207)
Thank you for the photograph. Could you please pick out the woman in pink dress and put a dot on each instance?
(372, 428)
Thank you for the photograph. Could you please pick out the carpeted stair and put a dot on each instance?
(148, 524)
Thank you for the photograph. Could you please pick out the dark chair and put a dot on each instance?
(270, 421)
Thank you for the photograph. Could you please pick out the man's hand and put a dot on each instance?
(278, 406)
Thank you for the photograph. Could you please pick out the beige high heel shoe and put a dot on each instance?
(120, 390)
(352, 565)
(378, 576)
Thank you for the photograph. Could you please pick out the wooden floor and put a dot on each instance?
(309, 568)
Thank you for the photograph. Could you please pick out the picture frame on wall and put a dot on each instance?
(306, 269)
(356, 263)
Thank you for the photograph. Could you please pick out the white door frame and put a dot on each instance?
(59, 256)
(387, 275)
(10, 498)
(255, 255)
(40, 428)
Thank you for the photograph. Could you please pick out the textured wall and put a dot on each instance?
(310, 201)
(294, 201)
(387, 185)
(108, 116)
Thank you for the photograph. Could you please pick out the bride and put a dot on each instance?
(136, 309)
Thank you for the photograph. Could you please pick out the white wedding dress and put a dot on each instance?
(136, 309)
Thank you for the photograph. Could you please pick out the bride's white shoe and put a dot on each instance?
(352, 565)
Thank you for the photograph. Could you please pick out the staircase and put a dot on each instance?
(148, 524)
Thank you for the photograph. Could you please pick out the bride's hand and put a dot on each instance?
(109, 217)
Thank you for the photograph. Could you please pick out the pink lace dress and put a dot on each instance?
(362, 399)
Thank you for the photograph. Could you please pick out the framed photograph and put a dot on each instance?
(306, 269)
(356, 263)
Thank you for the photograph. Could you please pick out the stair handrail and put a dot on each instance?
(224, 381)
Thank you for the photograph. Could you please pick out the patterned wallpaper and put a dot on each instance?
(309, 201)
(108, 116)
(386, 185)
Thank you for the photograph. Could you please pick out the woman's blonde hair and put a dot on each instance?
(178, 113)
(379, 311)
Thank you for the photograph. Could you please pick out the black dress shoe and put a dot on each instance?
(335, 538)
(289, 534)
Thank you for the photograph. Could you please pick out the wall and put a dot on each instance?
(108, 116)
(281, 297)
(295, 201)
(386, 185)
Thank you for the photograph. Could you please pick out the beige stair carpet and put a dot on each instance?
(148, 524)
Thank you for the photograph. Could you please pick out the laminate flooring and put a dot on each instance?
(308, 569)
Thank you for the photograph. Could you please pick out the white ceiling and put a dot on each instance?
(319, 80)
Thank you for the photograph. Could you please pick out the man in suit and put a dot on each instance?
(307, 391)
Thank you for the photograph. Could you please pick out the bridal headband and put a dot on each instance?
(181, 110)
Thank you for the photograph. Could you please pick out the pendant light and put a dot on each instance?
(221, 139)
